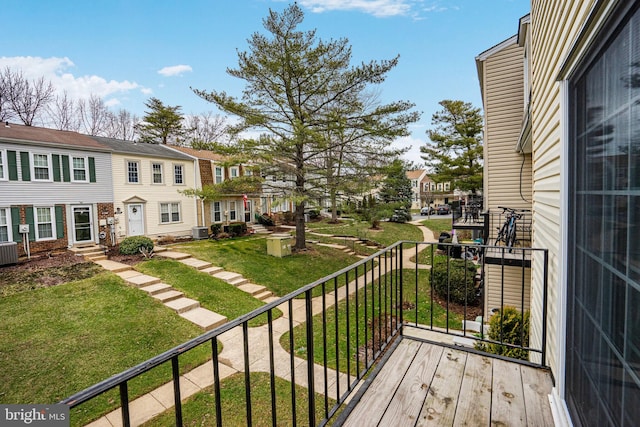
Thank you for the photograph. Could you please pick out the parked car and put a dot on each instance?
(400, 215)
(443, 209)
(427, 210)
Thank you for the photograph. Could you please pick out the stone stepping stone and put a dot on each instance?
(227, 276)
(114, 267)
(174, 255)
(263, 295)
(167, 296)
(195, 263)
(252, 288)
(183, 304)
(156, 288)
(204, 318)
(127, 274)
(238, 281)
(212, 270)
(142, 280)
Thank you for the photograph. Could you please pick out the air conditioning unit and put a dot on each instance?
(200, 233)
(8, 253)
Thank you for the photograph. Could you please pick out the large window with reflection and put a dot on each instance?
(603, 319)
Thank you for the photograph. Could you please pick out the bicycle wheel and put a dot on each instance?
(511, 236)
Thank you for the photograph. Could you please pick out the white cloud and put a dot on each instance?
(56, 70)
(146, 91)
(175, 70)
(380, 8)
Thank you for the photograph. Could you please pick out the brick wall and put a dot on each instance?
(206, 172)
(43, 246)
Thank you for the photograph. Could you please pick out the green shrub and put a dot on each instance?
(236, 229)
(131, 245)
(216, 229)
(511, 327)
(455, 281)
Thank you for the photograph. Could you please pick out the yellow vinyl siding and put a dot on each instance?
(153, 195)
(507, 181)
(554, 27)
(513, 280)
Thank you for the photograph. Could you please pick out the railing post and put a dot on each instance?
(124, 404)
(175, 367)
(310, 359)
(399, 265)
(544, 307)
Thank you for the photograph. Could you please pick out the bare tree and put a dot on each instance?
(206, 128)
(94, 115)
(62, 113)
(121, 125)
(26, 98)
(6, 113)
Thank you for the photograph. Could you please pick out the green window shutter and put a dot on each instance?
(12, 160)
(15, 222)
(55, 159)
(24, 162)
(66, 176)
(32, 224)
(59, 222)
(92, 169)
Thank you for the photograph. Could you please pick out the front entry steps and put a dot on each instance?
(91, 252)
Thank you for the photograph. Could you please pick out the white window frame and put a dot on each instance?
(218, 178)
(127, 171)
(179, 166)
(36, 223)
(7, 219)
(153, 173)
(172, 208)
(49, 167)
(4, 174)
(219, 211)
(73, 168)
(233, 212)
(234, 172)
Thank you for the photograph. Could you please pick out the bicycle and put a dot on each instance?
(507, 233)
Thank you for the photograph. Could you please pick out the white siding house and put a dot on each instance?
(58, 183)
(147, 179)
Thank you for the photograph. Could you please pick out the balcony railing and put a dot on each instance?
(335, 330)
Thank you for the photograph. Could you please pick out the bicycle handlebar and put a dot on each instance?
(504, 209)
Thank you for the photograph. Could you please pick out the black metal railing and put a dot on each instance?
(337, 328)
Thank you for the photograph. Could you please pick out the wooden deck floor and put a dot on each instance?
(424, 384)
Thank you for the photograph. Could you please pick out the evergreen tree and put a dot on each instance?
(293, 84)
(160, 123)
(396, 187)
(455, 151)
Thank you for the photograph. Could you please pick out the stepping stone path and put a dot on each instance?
(185, 307)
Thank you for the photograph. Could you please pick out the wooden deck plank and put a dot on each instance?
(537, 385)
(474, 403)
(370, 409)
(412, 391)
(440, 406)
(507, 399)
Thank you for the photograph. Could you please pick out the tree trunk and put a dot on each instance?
(300, 227)
(334, 206)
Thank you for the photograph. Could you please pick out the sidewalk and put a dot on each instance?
(231, 358)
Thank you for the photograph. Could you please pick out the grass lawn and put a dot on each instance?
(281, 276)
(370, 309)
(437, 225)
(390, 232)
(213, 294)
(59, 340)
(200, 409)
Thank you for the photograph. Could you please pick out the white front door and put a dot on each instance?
(136, 219)
(82, 224)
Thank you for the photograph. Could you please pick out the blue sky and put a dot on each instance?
(129, 50)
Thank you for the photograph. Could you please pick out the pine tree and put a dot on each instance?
(161, 123)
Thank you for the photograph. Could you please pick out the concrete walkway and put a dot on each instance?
(231, 358)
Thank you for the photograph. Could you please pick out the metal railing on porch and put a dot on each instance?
(336, 329)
